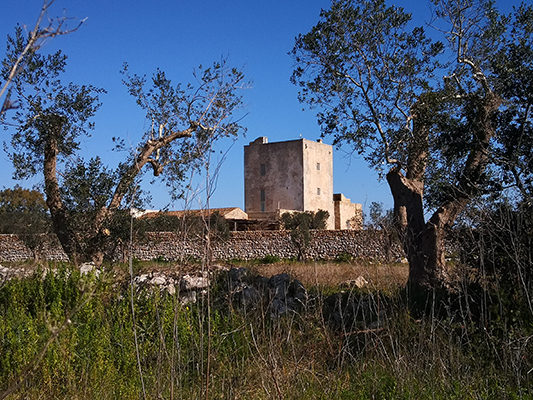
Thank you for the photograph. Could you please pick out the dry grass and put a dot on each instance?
(379, 276)
(330, 274)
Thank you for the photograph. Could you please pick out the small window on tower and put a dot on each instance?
(318, 191)
(263, 169)
(318, 166)
(263, 205)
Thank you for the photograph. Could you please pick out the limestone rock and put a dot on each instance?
(194, 282)
(281, 293)
(89, 267)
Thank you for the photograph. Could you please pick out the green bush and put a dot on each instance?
(270, 259)
(344, 258)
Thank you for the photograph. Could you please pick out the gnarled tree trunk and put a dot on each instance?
(425, 242)
(93, 247)
(51, 128)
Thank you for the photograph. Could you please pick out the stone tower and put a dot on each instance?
(295, 175)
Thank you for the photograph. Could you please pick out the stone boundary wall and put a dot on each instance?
(12, 248)
(325, 245)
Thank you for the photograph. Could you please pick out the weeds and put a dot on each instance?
(347, 344)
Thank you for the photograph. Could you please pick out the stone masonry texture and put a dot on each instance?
(325, 245)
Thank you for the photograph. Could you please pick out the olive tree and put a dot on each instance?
(512, 151)
(36, 37)
(52, 119)
(299, 225)
(420, 109)
(23, 212)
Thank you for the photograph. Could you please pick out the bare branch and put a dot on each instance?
(375, 116)
(36, 39)
(144, 157)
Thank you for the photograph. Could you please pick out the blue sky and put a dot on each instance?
(177, 36)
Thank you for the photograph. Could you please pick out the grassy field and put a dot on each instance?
(67, 336)
(330, 274)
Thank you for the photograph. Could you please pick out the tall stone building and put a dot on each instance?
(295, 175)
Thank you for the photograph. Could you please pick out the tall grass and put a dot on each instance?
(354, 344)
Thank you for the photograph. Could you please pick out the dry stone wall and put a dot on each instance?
(13, 248)
(325, 244)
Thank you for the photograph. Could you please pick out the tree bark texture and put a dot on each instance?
(53, 126)
(425, 242)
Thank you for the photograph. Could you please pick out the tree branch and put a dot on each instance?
(36, 35)
(144, 157)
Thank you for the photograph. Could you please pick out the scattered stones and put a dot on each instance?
(159, 280)
(194, 282)
(188, 298)
(156, 279)
(359, 282)
(10, 273)
(280, 293)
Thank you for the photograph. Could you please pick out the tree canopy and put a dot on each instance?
(435, 113)
(20, 200)
(52, 118)
(15, 64)
(23, 211)
(299, 225)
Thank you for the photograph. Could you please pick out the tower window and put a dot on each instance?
(318, 191)
(263, 197)
(318, 166)
(263, 169)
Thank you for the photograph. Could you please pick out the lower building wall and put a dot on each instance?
(325, 244)
(348, 215)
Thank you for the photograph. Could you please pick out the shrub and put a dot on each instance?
(270, 259)
(344, 258)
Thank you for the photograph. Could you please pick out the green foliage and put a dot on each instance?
(301, 356)
(366, 76)
(270, 259)
(512, 67)
(24, 212)
(344, 258)
(45, 105)
(347, 51)
(190, 223)
(196, 114)
(496, 249)
(19, 200)
(86, 199)
(380, 218)
(87, 188)
(299, 224)
(449, 119)
(161, 222)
